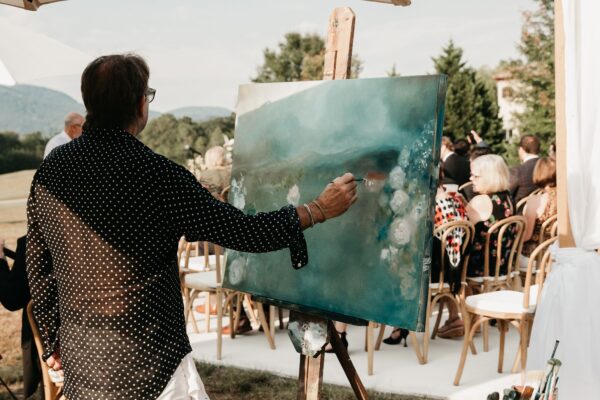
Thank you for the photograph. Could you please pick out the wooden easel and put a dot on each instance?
(337, 64)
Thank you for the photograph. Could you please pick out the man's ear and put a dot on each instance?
(141, 105)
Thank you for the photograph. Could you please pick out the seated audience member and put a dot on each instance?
(462, 147)
(456, 168)
(541, 206)
(493, 203)
(476, 151)
(521, 177)
(14, 296)
(217, 175)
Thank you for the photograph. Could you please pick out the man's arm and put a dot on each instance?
(514, 180)
(197, 215)
(42, 284)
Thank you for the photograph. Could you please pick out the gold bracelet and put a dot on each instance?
(312, 220)
(320, 209)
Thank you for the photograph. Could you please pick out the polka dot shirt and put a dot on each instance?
(105, 214)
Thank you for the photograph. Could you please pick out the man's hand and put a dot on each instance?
(476, 136)
(54, 362)
(338, 196)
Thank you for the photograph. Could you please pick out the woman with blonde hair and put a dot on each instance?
(490, 177)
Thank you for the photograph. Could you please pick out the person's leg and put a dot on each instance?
(341, 328)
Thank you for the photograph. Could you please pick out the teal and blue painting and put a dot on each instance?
(291, 140)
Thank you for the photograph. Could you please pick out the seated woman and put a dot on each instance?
(539, 207)
(490, 177)
(449, 206)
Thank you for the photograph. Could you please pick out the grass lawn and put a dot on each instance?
(228, 383)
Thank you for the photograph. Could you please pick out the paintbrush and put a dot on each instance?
(373, 181)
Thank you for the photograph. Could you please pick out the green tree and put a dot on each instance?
(173, 137)
(298, 58)
(19, 152)
(535, 72)
(471, 102)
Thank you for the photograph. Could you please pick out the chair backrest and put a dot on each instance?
(521, 204)
(454, 228)
(554, 229)
(546, 228)
(542, 253)
(514, 225)
(464, 186)
(218, 257)
(51, 391)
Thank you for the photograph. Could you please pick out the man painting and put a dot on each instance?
(105, 214)
(73, 127)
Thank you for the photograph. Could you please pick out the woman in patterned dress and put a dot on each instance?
(490, 178)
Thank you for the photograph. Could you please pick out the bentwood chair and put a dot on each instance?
(510, 230)
(508, 307)
(438, 293)
(52, 390)
(208, 282)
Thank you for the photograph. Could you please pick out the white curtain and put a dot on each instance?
(582, 81)
(568, 310)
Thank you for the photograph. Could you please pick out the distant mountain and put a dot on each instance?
(200, 113)
(25, 109)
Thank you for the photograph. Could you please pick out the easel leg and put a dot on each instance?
(344, 359)
(310, 377)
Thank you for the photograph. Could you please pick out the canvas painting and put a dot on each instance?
(292, 139)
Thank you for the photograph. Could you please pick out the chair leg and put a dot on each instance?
(265, 325)
(219, 323)
(272, 321)
(469, 333)
(370, 350)
(207, 312)
(437, 320)
(485, 330)
(190, 310)
(238, 311)
(428, 313)
(415, 344)
(524, 343)
(380, 337)
(502, 327)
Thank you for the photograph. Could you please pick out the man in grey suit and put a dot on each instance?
(521, 177)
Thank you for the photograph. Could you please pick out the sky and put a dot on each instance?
(199, 52)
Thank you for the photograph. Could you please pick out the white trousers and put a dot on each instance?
(185, 384)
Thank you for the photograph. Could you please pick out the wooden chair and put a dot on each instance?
(546, 228)
(521, 203)
(52, 390)
(508, 307)
(493, 279)
(210, 283)
(440, 292)
(437, 293)
(464, 186)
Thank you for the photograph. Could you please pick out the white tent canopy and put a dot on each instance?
(36, 56)
(30, 5)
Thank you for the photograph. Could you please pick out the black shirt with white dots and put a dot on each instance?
(105, 215)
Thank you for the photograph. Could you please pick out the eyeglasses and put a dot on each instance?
(150, 93)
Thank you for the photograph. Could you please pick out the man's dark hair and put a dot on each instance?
(478, 151)
(462, 147)
(111, 87)
(530, 143)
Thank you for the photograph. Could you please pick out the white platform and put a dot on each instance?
(396, 369)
